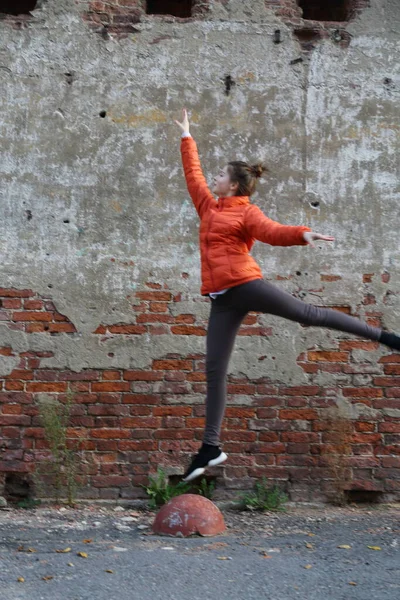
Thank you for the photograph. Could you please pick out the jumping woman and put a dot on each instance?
(233, 280)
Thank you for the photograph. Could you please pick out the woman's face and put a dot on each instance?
(223, 185)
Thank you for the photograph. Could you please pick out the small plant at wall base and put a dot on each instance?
(263, 498)
(160, 490)
(60, 471)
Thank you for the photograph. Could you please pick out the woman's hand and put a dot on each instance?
(184, 125)
(311, 236)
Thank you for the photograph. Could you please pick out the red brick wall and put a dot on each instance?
(130, 421)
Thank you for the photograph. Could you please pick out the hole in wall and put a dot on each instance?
(17, 487)
(17, 7)
(229, 83)
(102, 114)
(307, 37)
(314, 204)
(175, 8)
(329, 10)
(66, 221)
(363, 496)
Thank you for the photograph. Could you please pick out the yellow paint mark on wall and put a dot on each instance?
(147, 118)
(116, 206)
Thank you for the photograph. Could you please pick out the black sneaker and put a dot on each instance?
(208, 456)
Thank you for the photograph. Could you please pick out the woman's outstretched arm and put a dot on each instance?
(260, 227)
(195, 180)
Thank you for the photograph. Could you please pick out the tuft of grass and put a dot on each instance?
(60, 472)
(28, 503)
(205, 488)
(160, 490)
(263, 498)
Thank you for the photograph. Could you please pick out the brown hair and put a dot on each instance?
(245, 175)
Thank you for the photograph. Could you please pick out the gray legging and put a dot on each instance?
(228, 311)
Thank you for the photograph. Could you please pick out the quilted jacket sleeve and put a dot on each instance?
(258, 226)
(195, 181)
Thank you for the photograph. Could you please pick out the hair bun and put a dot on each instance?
(258, 169)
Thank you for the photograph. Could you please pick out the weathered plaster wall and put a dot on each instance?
(95, 213)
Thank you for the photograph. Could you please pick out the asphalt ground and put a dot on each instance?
(276, 556)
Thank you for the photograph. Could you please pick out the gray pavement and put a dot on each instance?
(276, 556)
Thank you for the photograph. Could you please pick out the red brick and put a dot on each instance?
(173, 365)
(127, 329)
(387, 381)
(113, 433)
(148, 422)
(62, 328)
(86, 375)
(195, 422)
(392, 369)
(306, 415)
(158, 307)
(233, 411)
(111, 480)
(188, 330)
(27, 315)
(12, 409)
(14, 293)
(358, 345)
(389, 427)
(241, 389)
(141, 376)
(301, 390)
(6, 351)
(46, 387)
(188, 319)
(327, 356)
(364, 426)
(108, 409)
(140, 399)
(366, 438)
(14, 385)
(390, 358)
(362, 392)
(110, 386)
(11, 303)
(24, 374)
(14, 419)
(299, 437)
(157, 296)
(33, 304)
(137, 445)
(330, 277)
(176, 411)
(239, 436)
(111, 375)
(154, 318)
(175, 434)
(37, 327)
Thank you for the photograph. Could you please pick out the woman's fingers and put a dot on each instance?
(311, 236)
(184, 125)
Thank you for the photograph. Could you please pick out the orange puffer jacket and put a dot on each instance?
(228, 230)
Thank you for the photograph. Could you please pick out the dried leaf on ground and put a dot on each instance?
(82, 554)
